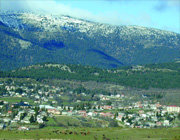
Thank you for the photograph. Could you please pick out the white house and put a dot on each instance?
(173, 108)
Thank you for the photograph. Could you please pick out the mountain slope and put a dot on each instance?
(165, 75)
(28, 38)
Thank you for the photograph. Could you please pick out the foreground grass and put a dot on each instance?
(93, 134)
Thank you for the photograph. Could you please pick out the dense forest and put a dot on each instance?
(166, 75)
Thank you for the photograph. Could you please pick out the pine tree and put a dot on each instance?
(32, 119)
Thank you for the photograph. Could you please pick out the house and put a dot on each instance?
(158, 123)
(66, 107)
(141, 111)
(25, 121)
(82, 113)
(69, 113)
(40, 119)
(9, 112)
(104, 98)
(37, 102)
(14, 121)
(118, 96)
(126, 123)
(46, 107)
(32, 112)
(150, 124)
(6, 120)
(20, 112)
(130, 115)
(166, 123)
(143, 115)
(94, 114)
(17, 118)
(71, 107)
(64, 113)
(150, 113)
(137, 68)
(54, 102)
(37, 97)
(44, 99)
(5, 102)
(43, 113)
(23, 128)
(53, 111)
(119, 117)
(158, 105)
(90, 114)
(153, 118)
(108, 114)
(173, 108)
(106, 107)
(153, 106)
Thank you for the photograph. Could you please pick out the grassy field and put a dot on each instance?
(93, 134)
(69, 121)
(17, 99)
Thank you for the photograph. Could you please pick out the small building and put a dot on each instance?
(173, 108)
(82, 113)
(6, 120)
(107, 107)
(9, 112)
(158, 124)
(54, 111)
(166, 123)
(64, 113)
(46, 107)
(40, 120)
(23, 128)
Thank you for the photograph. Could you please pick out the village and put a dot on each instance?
(30, 105)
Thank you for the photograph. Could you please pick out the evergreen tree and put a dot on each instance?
(32, 119)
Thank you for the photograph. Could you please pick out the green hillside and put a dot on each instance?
(165, 75)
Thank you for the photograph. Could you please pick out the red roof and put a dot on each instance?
(172, 106)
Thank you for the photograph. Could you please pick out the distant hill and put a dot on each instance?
(165, 75)
(29, 38)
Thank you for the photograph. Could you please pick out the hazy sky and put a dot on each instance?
(162, 14)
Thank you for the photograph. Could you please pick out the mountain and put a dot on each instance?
(31, 38)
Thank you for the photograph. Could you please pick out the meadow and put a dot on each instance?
(60, 133)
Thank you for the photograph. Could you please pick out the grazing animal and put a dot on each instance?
(70, 132)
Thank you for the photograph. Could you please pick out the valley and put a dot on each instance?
(58, 95)
(64, 77)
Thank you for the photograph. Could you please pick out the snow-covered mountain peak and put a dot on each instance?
(35, 37)
(34, 21)
(54, 23)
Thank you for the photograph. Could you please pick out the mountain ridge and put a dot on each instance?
(64, 39)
